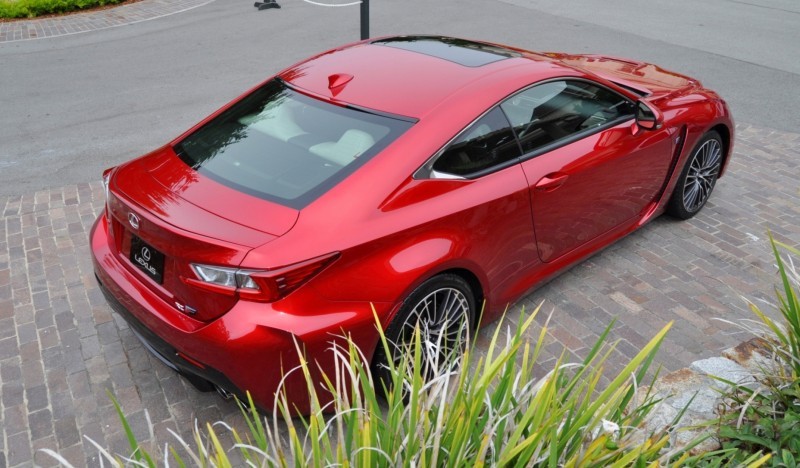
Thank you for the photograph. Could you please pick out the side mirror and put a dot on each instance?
(648, 117)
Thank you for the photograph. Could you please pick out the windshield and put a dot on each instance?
(286, 147)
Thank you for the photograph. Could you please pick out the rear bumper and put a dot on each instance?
(251, 348)
(203, 378)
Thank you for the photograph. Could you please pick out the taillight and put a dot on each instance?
(258, 285)
(227, 277)
(106, 181)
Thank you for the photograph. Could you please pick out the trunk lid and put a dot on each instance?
(224, 202)
(164, 217)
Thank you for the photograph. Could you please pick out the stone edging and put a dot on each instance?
(94, 20)
(696, 387)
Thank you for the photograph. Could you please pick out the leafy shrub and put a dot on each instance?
(766, 417)
(32, 8)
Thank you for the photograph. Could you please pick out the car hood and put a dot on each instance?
(167, 187)
(645, 77)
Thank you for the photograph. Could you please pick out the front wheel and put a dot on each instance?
(698, 177)
(441, 309)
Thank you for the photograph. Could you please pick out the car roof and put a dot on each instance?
(411, 75)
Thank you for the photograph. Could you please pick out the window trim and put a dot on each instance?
(346, 105)
(575, 136)
(311, 195)
(425, 171)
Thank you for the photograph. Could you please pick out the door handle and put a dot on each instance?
(551, 181)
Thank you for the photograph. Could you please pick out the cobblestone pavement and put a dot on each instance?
(62, 349)
(93, 20)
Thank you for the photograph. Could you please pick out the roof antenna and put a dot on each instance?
(337, 81)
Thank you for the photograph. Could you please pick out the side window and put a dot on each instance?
(488, 142)
(549, 112)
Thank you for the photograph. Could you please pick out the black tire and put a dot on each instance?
(428, 306)
(697, 178)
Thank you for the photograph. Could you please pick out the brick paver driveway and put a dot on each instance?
(61, 348)
(95, 20)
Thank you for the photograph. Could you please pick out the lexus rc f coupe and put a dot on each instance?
(410, 178)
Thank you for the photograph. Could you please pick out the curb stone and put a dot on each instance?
(698, 390)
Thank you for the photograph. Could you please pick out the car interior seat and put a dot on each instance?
(350, 145)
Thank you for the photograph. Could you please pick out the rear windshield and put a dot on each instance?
(286, 147)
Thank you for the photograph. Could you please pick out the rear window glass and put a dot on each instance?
(286, 147)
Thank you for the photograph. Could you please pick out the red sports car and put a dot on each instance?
(427, 177)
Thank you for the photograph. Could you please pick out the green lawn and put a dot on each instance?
(33, 8)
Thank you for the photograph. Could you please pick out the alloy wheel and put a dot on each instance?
(442, 319)
(702, 175)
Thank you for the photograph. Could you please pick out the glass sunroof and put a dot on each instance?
(460, 51)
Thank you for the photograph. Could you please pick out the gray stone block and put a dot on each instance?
(723, 368)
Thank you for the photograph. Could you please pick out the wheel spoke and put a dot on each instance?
(701, 175)
(690, 197)
(453, 302)
(442, 320)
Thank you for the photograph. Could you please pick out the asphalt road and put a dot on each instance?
(71, 106)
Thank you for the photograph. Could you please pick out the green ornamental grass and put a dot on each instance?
(11, 9)
(478, 410)
(487, 407)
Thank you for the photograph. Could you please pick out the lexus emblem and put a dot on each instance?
(146, 254)
(133, 220)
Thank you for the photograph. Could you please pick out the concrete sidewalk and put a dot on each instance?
(61, 348)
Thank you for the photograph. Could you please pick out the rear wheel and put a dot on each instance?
(698, 177)
(442, 309)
